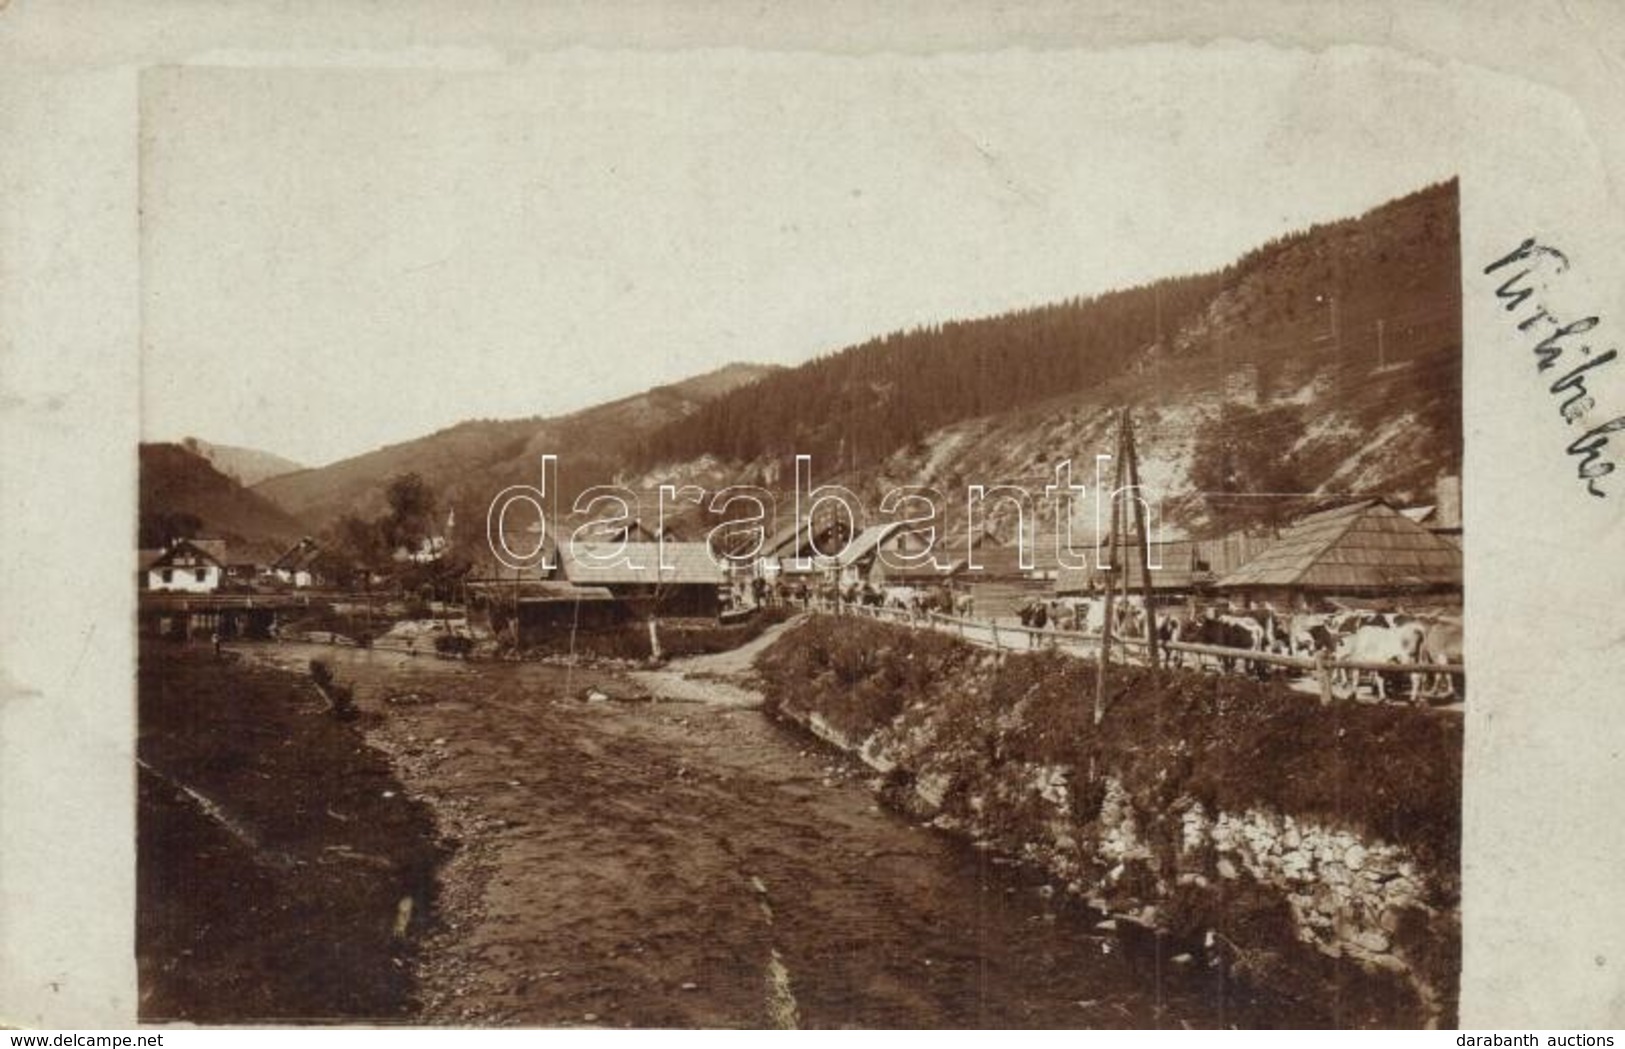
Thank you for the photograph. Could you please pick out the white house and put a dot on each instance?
(298, 564)
(188, 566)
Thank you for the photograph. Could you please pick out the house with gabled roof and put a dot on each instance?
(191, 566)
(526, 611)
(299, 566)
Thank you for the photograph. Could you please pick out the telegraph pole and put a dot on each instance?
(1142, 542)
(1112, 509)
(1127, 462)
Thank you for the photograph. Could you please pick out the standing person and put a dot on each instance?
(215, 639)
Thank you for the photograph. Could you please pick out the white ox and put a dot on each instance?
(907, 598)
(1380, 644)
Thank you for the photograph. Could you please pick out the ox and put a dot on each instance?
(1441, 644)
(906, 598)
(1380, 644)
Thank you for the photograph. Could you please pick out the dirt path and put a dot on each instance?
(719, 679)
(683, 864)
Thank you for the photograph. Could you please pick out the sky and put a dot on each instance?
(336, 259)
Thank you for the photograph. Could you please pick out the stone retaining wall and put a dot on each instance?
(1353, 898)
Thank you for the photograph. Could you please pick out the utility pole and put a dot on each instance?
(1127, 461)
(1113, 509)
(1142, 542)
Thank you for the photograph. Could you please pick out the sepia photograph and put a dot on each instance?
(797, 543)
(677, 520)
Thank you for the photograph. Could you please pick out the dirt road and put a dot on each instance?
(683, 862)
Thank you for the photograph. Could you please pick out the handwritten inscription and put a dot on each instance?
(1565, 344)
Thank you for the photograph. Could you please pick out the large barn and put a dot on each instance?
(670, 579)
(1362, 550)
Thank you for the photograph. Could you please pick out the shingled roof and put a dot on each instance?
(1362, 546)
(540, 591)
(633, 564)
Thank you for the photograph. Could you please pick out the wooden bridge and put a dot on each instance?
(231, 615)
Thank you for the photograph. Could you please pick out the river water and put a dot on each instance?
(687, 862)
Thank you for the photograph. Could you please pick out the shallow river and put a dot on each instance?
(684, 862)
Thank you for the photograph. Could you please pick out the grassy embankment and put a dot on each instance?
(1003, 749)
(276, 854)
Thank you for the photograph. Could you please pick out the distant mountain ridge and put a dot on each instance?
(467, 464)
(182, 492)
(246, 466)
(1354, 326)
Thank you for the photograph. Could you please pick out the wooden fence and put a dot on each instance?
(1335, 679)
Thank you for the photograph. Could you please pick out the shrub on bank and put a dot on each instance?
(1240, 813)
(1391, 771)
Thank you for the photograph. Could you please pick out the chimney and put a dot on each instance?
(1447, 500)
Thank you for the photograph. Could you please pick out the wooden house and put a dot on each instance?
(533, 549)
(994, 575)
(300, 565)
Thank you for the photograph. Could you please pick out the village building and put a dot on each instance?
(145, 558)
(858, 562)
(900, 560)
(529, 611)
(1177, 569)
(993, 574)
(1364, 549)
(664, 579)
(1443, 517)
(529, 600)
(533, 550)
(191, 566)
(242, 573)
(803, 551)
(429, 549)
(299, 565)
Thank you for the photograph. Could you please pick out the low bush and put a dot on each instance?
(1392, 772)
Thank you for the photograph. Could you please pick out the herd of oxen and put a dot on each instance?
(915, 600)
(1339, 635)
(1372, 638)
